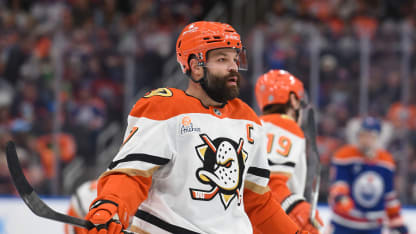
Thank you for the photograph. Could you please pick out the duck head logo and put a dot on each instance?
(223, 166)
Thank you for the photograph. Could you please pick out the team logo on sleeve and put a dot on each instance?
(223, 166)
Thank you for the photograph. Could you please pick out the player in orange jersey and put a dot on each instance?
(192, 161)
(362, 186)
(279, 95)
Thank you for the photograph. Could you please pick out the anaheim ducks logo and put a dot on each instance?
(223, 166)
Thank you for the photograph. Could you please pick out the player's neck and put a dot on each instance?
(286, 116)
(195, 90)
(291, 114)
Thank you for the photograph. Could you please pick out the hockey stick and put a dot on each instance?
(310, 132)
(32, 200)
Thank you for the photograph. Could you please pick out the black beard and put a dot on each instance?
(216, 87)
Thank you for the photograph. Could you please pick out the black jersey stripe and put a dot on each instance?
(140, 157)
(259, 172)
(288, 164)
(162, 224)
(290, 208)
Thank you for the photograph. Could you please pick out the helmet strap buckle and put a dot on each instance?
(200, 59)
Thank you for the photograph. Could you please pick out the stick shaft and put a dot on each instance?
(31, 198)
(313, 150)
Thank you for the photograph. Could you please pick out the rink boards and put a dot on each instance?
(16, 218)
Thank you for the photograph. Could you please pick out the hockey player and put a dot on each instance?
(192, 161)
(80, 202)
(279, 95)
(362, 189)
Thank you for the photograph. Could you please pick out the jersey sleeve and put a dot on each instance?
(391, 201)
(147, 144)
(258, 172)
(340, 174)
(266, 215)
(264, 211)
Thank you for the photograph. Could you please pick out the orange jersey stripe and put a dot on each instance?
(284, 122)
(266, 214)
(352, 152)
(132, 190)
(164, 106)
(278, 186)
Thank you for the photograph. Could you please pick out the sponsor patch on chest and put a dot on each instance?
(187, 126)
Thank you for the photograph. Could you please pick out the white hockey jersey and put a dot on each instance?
(80, 203)
(200, 158)
(286, 149)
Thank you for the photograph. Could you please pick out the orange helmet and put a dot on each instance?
(275, 86)
(200, 37)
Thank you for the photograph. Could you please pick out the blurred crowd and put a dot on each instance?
(86, 42)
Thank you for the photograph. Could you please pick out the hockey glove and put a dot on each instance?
(399, 230)
(397, 225)
(301, 215)
(343, 204)
(108, 216)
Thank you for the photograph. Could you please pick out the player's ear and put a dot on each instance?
(294, 102)
(197, 71)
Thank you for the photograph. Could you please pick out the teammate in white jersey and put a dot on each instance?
(80, 203)
(192, 161)
(279, 96)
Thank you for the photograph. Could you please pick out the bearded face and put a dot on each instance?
(222, 88)
(221, 79)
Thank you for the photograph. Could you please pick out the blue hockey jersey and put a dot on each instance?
(369, 182)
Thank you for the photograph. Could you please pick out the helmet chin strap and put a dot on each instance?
(196, 81)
